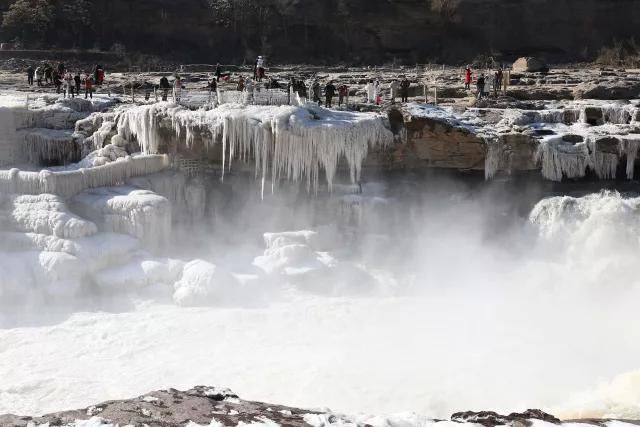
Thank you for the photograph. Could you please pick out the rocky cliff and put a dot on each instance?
(364, 31)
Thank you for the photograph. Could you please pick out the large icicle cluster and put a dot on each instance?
(295, 143)
(560, 158)
(49, 145)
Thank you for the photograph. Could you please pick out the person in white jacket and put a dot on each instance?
(394, 86)
(68, 85)
(371, 94)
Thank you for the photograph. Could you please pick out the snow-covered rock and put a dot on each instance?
(203, 283)
(139, 213)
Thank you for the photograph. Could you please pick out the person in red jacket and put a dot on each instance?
(467, 78)
(343, 91)
(88, 86)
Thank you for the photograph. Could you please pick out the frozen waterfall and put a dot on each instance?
(295, 143)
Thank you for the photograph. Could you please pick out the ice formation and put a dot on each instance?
(49, 146)
(70, 182)
(187, 195)
(555, 126)
(42, 214)
(560, 158)
(205, 284)
(287, 142)
(495, 151)
(629, 147)
(138, 213)
(8, 149)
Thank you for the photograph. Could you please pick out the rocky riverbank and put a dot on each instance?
(217, 407)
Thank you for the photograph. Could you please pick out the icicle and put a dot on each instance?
(617, 114)
(296, 142)
(560, 158)
(495, 151)
(629, 148)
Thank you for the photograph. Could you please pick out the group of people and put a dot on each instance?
(65, 81)
(497, 82)
(330, 92)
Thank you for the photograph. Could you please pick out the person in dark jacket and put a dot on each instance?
(315, 89)
(30, 73)
(405, 84)
(165, 86)
(481, 84)
(57, 81)
(61, 69)
(78, 81)
(218, 72)
(48, 74)
(329, 93)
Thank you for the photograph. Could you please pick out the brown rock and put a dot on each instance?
(530, 65)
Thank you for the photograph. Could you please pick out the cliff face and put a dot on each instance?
(322, 31)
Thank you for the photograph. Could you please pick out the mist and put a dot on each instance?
(427, 295)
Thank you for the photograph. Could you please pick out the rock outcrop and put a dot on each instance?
(530, 65)
(492, 419)
(612, 89)
(168, 408)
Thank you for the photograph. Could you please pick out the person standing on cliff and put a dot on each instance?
(393, 88)
(165, 86)
(78, 81)
(343, 91)
(68, 85)
(370, 92)
(467, 78)
(30, 73)
(499, 77)
(88, 86)
(57, 81)
(481, 84)
(405, 84)
(260, 69)
(329, 93)
(315, 89)
(39, 73)
(240, 87)
(99, 75)
(177, 88)
(48, 74)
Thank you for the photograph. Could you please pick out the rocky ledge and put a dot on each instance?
(217, 407)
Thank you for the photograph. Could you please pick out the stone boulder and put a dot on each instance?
(530, 65)
(608, 90)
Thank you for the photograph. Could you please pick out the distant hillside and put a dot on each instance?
(324, 31)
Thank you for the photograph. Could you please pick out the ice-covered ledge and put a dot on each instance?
(68, 183)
